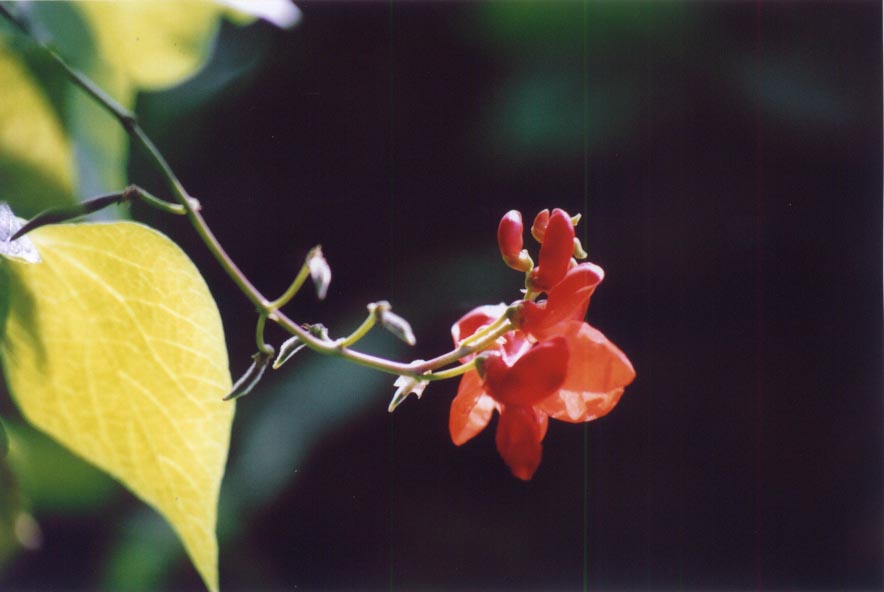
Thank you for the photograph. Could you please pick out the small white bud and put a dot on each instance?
(251, 377)
(320, 272)
(397, 326)
(289, 348)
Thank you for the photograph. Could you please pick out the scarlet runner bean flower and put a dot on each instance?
(553, 364)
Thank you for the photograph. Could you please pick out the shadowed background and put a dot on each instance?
(727, 160)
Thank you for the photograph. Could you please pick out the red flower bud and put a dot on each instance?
(509, 234)
(509, 239)
(555, 252)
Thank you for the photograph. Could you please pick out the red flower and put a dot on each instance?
(553, 365)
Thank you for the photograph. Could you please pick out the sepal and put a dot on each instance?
(407, 385)
(289, 348)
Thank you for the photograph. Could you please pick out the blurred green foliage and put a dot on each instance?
(557, 93)
(53, 479)
(36, 156)
(57, 143)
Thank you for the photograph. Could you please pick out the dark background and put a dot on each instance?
(727, 160)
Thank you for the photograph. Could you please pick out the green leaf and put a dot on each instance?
(113, 345)
(36, 161)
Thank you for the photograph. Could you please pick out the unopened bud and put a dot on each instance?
(407, 385)
(509, 233)
(555, 252)
(251, 377)
(398, 327)
(320, 272)
(289, 347)
(318, 330)
(392, 322)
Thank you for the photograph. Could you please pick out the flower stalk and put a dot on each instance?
(530, 362)
(190, 207)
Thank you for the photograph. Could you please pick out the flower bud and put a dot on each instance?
(289, 347)
(320, 272)
(251, 377)
(509, 239)
(397, 326)
(555, 252)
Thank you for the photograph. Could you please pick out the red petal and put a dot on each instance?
(533, 377)
(514, 346)
(597, 374)
(571, 295)
(567, 301)
(519, 434)
(538, 229)
(555, 252)
(476, 319)
(471, 409)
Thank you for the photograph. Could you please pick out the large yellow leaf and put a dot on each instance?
(35, 155)
(156, 43)
(159, 43)
(114, 346)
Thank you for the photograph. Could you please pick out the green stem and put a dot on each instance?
(462, 351)
(266, 308)
(154, 201)
(263, 346)
(361, 331)
(484, 331)
(293, 289)
(451, 372)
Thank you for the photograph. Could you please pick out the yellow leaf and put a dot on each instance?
(157, 43)
(35, 156)
(114, 346)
